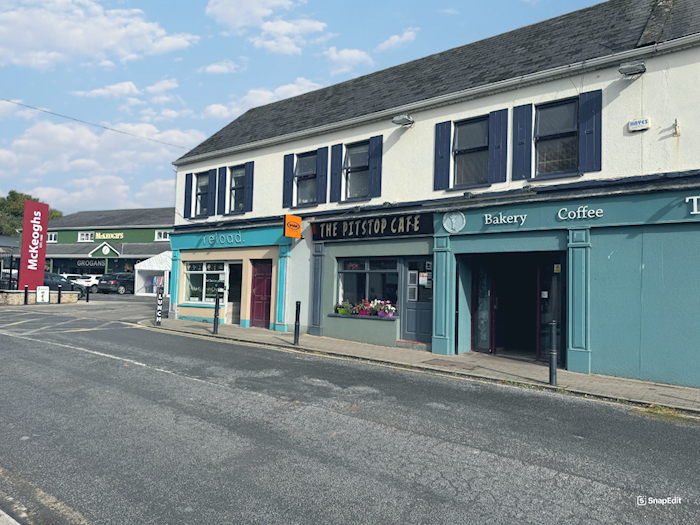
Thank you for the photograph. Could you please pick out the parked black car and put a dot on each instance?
(53, 280)
(116, 282)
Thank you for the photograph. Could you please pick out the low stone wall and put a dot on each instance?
(16, 297)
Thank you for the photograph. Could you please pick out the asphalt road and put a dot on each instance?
(104, 422)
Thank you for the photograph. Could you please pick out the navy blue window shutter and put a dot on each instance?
(522, 142)
(336, 172)
(288, 188)
(321, 175)
(443, 142)
(498, 141)
(248, 187)
(222, 192)
(589, 131)
(375, 166)
(187, 212)
(211, 196)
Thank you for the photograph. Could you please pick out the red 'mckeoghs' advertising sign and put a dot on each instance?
(36, 218)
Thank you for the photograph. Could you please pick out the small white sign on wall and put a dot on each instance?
(639, 124)
(42, 294)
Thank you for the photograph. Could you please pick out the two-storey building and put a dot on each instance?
(543, 179)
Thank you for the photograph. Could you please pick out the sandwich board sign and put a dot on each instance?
(42, 294)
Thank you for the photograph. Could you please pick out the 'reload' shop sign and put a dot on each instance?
(371, 227)
(36, 217)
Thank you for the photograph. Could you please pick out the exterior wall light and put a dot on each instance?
(402, 120)
(630, 69)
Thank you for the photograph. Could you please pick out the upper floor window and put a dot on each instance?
(356, 168)
(86, 236)
(237, 196)
(305, 179)
(556, 138)
(202, 195)
(471, 152)
(162, 235)
(52, 237)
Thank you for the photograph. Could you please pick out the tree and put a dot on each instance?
(12, 212)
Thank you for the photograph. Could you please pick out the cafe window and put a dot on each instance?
(202, 280)
(368, 278)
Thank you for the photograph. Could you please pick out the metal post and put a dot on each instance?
(553, 354)
(216, 314)
(26, 293)
(296, 324)
(159, 306)
(59, 294)
(87, 294)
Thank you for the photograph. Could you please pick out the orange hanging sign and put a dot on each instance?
(292, 226)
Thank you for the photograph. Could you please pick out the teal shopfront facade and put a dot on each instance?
(249, 264)
(619, 275)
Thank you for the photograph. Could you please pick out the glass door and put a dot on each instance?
(483, 311)
(550, 276)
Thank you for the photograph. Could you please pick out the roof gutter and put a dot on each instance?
(677, 44)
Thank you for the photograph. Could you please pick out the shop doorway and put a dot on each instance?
(233, 300)
(417, 306)
(514, 298)
(261, 293)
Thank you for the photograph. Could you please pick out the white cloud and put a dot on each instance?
(259, 97)
(161, 191)
(219, 68)
(286, 37)
(238, 14)
(346, 59)
(122, 89)
(41, 34)
(98, 192)
(7, 108)
(408, 36)
(449, 11)
(48, 149)
(162, 86)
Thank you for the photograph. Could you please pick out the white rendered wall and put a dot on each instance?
(669, 90)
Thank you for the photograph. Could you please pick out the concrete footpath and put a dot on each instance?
(472, 364)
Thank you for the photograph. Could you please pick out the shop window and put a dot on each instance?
(162, 235)
(471, 152)
(202, 195)
(52, 237)
(86, 236)
(305, 179)
(556, 138)
(202, 280)
(364, 278)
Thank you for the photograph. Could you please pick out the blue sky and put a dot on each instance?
(177, 72)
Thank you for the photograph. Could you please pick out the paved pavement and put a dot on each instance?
(472, 364)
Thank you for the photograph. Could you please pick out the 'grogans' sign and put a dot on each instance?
(33, 256)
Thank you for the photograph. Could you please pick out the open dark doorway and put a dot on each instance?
(514, 298)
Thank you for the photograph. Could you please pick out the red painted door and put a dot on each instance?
(261, 293)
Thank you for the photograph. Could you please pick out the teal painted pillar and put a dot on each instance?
(443, 296)
(279, 324)
(578, 356)
(464, 303)
(175, 282)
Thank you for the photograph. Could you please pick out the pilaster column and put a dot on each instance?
(578, 356)
(319, 252)
(280, 325)
(174, 282)
(443, 296)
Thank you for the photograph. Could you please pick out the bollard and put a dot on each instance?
(26, 293)
(296, 324)
(87, 294)
(553, 355)
(216, 314)
(59, 294)
(159, 306)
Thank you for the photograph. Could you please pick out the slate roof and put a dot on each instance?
(125, 249)
(149, 217)
(598, 31)
(11, 242)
